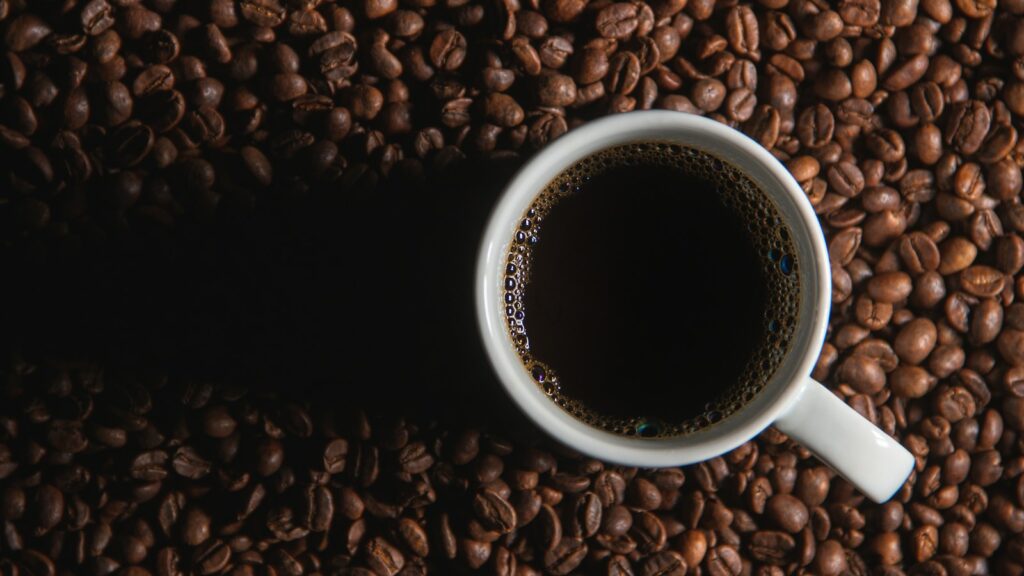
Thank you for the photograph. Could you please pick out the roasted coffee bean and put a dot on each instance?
(890, 287)
(555, 51)
(47, 508)
(708, 94)
(379, 8)
(967, 126)
(623, 73)
(563, 558)
(562, 10)
(787, 512)
(724, 560)
(25, 31)
(982, 281)
(771, 547)
(556, 90)
(916, 340)
(189, 463)
(648, 532)
(862, 373)
(693, 546)
(153, 79)
(618, 21)
(1010, 253)
(268, 13)
(204, 126)
(414, 537)
(448, 50)
(587, 515)
(384, 558)
(97, 17)
(617, 521)
(503, 110)
(212, 557)
(138, 21)
(664, 563)
(986, 322)
(194, 526)
(591, 66)
(494, 511)
(643, 494)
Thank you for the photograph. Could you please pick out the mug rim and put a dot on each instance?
(629, 450)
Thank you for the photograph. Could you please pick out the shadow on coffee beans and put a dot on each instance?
(362, 297)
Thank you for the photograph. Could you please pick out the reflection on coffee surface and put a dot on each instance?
(651, 289)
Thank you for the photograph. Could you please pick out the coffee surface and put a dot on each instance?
(646, 288)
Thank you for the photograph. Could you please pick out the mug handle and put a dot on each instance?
(870, 459)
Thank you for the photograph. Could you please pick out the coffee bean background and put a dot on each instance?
(237, 242)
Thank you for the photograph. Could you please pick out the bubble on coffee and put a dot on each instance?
(767, 230)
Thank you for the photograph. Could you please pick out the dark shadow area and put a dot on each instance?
(360, 296)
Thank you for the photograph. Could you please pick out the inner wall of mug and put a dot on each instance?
(811, 258)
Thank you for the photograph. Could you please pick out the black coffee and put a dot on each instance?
(651, 289)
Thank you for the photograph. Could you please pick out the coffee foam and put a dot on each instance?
(771, 238)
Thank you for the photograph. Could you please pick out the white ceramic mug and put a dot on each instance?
(791, 401)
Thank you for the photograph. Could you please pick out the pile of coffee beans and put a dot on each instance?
(103, 472)
(133, 118)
